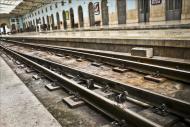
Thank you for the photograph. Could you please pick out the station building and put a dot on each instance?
(88, 13)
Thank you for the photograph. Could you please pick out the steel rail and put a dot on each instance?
(176, 106)
(166, 63)
(160, 62)
(148, 68)
(103, 104)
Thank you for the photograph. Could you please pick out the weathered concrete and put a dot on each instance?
(185, 9)
(165, 43)
(163, 48)
(157, 12)
(18, 106)
(52, 87)
(155, 78)
(73, 103)
(165, 121)
(143, 52)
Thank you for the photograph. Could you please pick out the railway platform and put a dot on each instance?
(18, 106)
(95, 63)
(168, 34)
(173, 43)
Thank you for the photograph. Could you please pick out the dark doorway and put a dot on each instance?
(64, 20)
(173, 9)
(72, 18)
(24, 25)
(36, 22)
(58, 20)
(29, 23)
(3, 26)
(34, 27)
(43, 20)
(52, 21)
(48, 25)
(13, 27)
(80, 14)
(121, 11)
(39, 21)
(33, 22)
(144, 7)
(105, 13)
(91, 14)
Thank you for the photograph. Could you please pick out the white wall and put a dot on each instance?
(75, 4)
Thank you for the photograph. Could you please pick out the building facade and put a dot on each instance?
(65, 14)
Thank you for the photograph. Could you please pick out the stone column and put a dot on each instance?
(185, 10)
(158, 12)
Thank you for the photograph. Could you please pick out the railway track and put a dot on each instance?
(170, 69)
(141, 99)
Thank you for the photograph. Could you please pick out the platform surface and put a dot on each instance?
(18, 106)
(169, 34)
(125, 31)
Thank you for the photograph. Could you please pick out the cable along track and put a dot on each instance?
(143, 98)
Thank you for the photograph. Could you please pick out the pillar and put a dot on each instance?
(185, 10)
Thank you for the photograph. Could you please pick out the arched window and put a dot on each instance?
(52, 21)
(64, 20)
(105, 13)
(80, 15)
(173, 9)
(72, 18)
(91, 14)
(58, 20)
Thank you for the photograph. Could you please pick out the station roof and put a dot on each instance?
(6, 6)
(21, 7)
